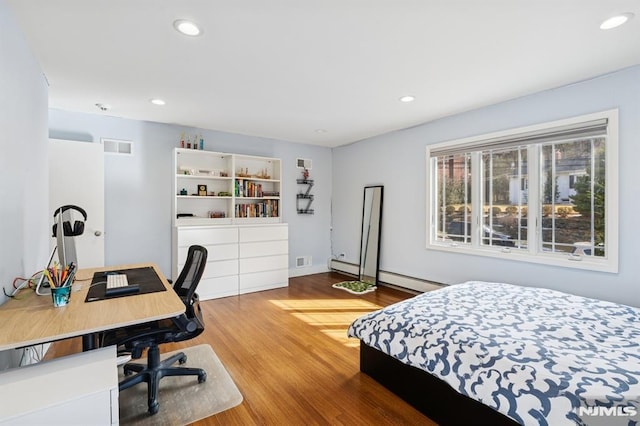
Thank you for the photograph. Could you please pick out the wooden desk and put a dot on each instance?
(32, 319)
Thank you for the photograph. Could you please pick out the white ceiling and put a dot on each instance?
(284, 68)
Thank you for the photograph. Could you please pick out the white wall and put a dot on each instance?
(397, 160)
(138, 189)
(24, 185)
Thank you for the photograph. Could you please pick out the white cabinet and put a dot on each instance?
(79, 389)
(220, 277)
(264, 258)
(214, 188)
(241, 258)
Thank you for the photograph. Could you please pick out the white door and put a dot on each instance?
(76, 176)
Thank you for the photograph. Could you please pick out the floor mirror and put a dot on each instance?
(371, 228)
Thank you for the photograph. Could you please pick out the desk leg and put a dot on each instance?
(89, 342)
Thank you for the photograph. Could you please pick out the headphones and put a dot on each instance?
(67, 229)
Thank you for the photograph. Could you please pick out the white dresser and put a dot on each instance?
(241, 258)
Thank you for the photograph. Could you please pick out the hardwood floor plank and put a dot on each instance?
(288, 353)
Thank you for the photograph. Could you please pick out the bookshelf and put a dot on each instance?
(214, 188)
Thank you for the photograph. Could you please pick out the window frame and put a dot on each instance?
(532, 252)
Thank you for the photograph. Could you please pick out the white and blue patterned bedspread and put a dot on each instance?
(533, 354)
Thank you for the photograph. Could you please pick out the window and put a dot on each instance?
(544, 194)
(454, 197)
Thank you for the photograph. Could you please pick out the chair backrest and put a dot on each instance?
(185, 285)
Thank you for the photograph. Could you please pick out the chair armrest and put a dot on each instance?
(185, 323)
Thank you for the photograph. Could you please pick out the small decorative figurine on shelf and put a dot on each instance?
(243, 172)
(263, 174)
(305, 174)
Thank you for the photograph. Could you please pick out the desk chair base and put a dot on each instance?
(156, 370)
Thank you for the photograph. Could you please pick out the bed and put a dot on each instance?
(494, 353)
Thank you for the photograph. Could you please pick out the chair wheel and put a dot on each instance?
(153, 408)
(127, 372)
(182, 360)
(202, 378)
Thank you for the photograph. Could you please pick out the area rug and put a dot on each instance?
(182, 399)
(355, 287)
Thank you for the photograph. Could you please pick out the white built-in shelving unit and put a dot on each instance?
(230, 204)
(214, 188)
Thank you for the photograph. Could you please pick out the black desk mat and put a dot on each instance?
(146, 278)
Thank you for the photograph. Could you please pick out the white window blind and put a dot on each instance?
(556, 134)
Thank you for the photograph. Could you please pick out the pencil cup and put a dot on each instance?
(61, 295)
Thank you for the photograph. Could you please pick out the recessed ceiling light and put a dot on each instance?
(616, 21)
(187, 27)
(407, 98)
(157, 102)
(320, 131)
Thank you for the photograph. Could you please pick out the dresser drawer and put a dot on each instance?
(265, 263)
(218, 269)
(206, 236)
(263, 280)
(211, 288)
(214, 253)
(263, 233)
(267, 248)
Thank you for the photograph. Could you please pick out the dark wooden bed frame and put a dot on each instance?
(430, 395)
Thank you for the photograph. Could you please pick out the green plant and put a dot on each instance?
(563, 212)
(495, 211)
(511, 209)
(450, 209)
(551, 192)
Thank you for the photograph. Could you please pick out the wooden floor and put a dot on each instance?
(288, 353)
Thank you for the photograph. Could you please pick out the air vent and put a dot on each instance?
(303, 163)
(303, 261)
(115, 146)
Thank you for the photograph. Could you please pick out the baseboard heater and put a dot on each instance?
(392, 279)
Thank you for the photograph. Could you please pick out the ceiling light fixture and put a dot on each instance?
(157, 102)
(187, 27)
(616, 21)
(407, 98)
(320, 131)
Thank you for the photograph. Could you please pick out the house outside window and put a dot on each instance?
(544, 194)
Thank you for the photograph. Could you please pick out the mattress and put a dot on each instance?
(538, 356)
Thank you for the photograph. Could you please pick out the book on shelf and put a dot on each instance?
(267, 208)
(248, 189)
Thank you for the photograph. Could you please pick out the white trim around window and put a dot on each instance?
(537, 246)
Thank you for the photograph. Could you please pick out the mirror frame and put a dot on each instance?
(365, 255)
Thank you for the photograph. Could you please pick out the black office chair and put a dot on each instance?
(136, 338)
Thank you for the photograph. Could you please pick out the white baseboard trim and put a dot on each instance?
(344, 267)
(307, 270)
(392, 278)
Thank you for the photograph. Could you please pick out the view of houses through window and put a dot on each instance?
(546, 196)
